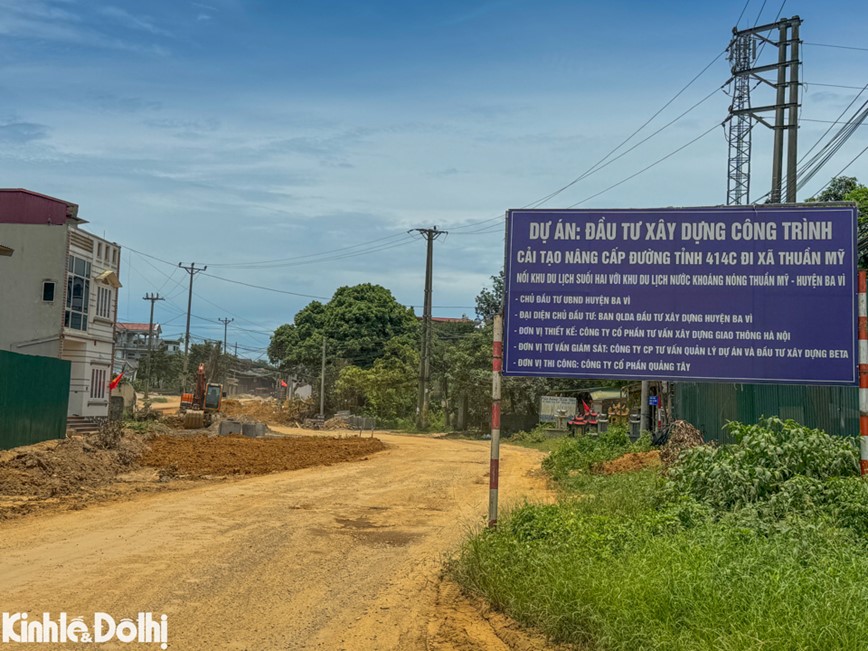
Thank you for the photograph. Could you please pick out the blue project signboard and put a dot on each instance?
(731, 294)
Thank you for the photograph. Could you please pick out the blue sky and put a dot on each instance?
(317, 133)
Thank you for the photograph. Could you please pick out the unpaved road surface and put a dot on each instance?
(340, 557)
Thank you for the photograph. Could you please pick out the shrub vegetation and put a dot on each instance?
(758, 545)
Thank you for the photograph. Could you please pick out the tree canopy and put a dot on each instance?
(848, 188)
(356, 323)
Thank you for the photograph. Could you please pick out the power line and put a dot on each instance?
(832, 122)
(280, 261)
(839, 47)
(268, 289)
(843, 169)
(599, 163)
(647, 167)
(815, 83)
(743, 9)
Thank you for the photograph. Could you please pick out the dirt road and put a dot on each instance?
(339, 557)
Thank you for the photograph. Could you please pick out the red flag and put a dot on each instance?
(585, 405)
(114, 383)
(283, 383)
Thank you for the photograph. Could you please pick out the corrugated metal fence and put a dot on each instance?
(34, 395)
(709, 405)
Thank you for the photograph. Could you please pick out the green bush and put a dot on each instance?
(537, 435)
(579, 455)
(777, 469)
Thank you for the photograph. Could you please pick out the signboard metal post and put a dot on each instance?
(863, 372)
(494, 466)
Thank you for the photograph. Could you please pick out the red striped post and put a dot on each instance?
(494, 467)
(863, 372)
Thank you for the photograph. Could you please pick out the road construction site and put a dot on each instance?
(295, 542)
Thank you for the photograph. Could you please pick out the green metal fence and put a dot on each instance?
(34, 395)
(708, 406)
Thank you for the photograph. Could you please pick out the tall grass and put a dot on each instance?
(611, 566)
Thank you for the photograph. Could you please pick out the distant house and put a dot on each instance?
(131, 345)
(58, 295)
(172, 346)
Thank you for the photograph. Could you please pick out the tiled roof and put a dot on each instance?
(135, 327)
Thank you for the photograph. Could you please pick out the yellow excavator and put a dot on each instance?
(200, 406)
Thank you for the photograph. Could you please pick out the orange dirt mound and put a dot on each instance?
(199, 456)
(631, 462)
(269, 410)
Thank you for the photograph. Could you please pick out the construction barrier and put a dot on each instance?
(34, 396)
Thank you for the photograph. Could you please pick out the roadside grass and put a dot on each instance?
(639, 561)
(547, 443)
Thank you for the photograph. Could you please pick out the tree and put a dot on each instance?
(387, 390)
(848, 188)
(490, 301)
(361, 319)
(166, 369)
(298, 345)
(357, 323)
(838, 189)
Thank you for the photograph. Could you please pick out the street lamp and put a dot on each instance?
(6, 251)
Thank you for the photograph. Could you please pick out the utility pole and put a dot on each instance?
(745, 71)
(225, 321)
(192, 270)
(153, 298)
(793, 126)
(322, 383)
(430, 234)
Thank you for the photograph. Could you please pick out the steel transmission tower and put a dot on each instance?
(743, 57)
(742, 52)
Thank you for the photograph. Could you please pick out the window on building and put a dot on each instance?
(98, 383)
(77, 293)
(48, 291)
(114, 257)
(99, 250)
(104, 302)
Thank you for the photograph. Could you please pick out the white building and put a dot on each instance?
(131, 345)
(58, 293)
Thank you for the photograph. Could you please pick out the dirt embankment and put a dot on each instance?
(202, 456)
(630, 462)
(70, 474)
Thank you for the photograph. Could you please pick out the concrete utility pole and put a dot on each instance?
(192, 270)
(226, 321)
(430, 234)
(153, 298)
(322, 382)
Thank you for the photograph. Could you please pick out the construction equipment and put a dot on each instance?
(200, 406)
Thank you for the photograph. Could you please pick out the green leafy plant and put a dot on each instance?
(766, 456)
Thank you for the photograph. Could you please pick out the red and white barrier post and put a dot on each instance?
(494, 467)
(863, 371)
